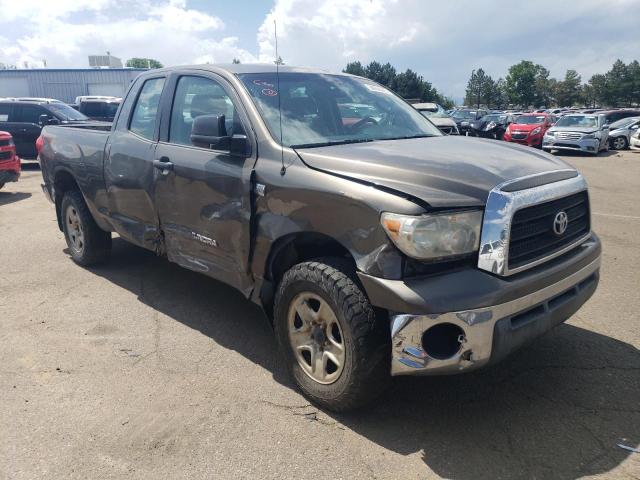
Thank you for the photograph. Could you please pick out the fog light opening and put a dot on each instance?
(443, 341)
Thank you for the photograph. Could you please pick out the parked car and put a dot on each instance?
(438, 117)
(529, 129)
(98, 107)
(491, 126)
(634, 141)
(364, 243)
(576, 131)
(615, 115)
(9, 161)
(464, 117)
(621, 131)
(24, 118)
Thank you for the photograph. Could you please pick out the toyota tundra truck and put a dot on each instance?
(376, 248)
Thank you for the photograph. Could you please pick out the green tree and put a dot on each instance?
(543, 87)
(569, 91)
(617, 83)
(235, 61)
(599, 91)
(139, 62)
(355, 68)
(521, 83)
(384, 74)
(633, 83)
(476, 88)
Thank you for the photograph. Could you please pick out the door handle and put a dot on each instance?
(163, 164)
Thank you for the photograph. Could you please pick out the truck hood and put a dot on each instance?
(447, 171)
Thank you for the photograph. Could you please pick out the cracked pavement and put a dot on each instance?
(141, 369)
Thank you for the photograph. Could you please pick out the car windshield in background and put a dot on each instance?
(319, 109)
(625, 122)
(464, 114)
(65, 112)
(530, 119)
(588, 121)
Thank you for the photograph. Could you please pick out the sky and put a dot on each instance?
(442, 41)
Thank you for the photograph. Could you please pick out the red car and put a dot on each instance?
(9, 161)
(528, 129)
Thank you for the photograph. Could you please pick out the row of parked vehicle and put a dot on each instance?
(25, 117)
(587, 130)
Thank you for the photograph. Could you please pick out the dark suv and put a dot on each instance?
(615, 115)
(98, 108)
(24, 119)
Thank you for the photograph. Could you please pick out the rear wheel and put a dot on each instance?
(88, 244)
(619, 143)
(336, 348)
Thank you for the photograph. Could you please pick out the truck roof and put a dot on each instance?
(236, 68)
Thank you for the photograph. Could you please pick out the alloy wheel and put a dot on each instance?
(316, 338)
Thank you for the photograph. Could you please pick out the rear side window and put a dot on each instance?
(92, 109)
(31, 114)
(143, 120)
(5, 110)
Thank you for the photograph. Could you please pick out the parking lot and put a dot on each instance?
(145, 369)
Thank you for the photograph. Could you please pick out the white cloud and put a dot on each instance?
(444, 41)
(65, 35)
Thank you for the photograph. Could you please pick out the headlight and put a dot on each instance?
(490, 125)
(536, 131)
(464, 124)
(550, 134)
(437, 235)
(589, 136)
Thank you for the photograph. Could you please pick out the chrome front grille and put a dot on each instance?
(517, 231)
(532, 234)
(568, 136)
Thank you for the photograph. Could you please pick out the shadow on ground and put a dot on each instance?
(10, 197)
(556, 409)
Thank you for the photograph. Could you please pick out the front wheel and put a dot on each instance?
(619, 143)
(335, 345)
(88, 244)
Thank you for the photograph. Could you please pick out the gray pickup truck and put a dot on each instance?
(376, 245)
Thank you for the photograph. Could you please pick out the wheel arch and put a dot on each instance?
(291, 249)
(63, 181)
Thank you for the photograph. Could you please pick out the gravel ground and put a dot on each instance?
(141, 369)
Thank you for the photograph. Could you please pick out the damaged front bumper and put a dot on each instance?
(509, 312)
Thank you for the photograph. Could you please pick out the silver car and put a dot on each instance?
(438, 117)
(621, 131)
(579, 132)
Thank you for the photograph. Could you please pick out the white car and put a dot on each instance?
(634, 141)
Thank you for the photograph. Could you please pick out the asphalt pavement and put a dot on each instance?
(141, 369)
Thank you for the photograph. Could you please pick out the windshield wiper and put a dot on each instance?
(421, 135)
(335, 142)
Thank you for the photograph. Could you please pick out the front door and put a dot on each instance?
(204, 196)
(29, 128)
(128, 168)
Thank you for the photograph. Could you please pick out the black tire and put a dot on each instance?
(618, 143)
(365, 334)
(95, 247)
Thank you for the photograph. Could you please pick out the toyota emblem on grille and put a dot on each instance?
(560, 223)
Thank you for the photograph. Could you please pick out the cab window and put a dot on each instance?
(197, 96)
(143, 119)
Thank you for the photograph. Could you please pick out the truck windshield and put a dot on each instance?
(65, 113)
(322, 109)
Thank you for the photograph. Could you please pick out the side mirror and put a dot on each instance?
(47, 120)
(210, 131)
(634, 127)
(605, 126)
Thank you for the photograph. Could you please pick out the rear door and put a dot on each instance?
(128, 168)
(29, 128)
(204, 198)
